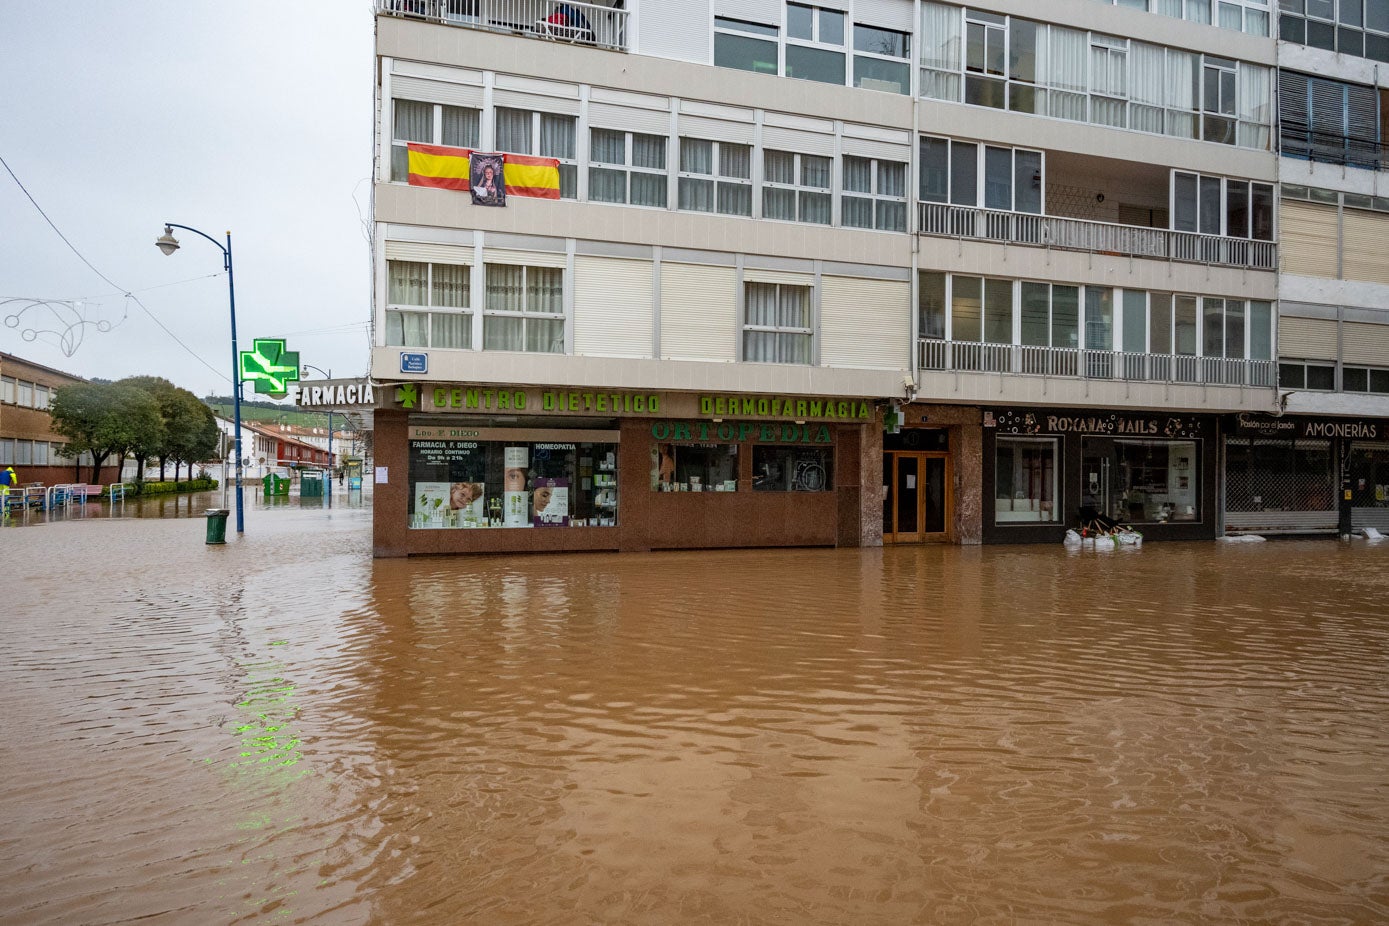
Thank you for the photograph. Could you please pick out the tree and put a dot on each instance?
(105, 419)
(193, 432)
(164, 394)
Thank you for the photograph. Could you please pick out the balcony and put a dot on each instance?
(1078, 363)
(1095, 204)
(1050, 231)
(597, 24)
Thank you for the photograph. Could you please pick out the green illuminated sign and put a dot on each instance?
(270, 366)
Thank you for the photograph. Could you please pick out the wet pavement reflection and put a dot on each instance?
(284, 730)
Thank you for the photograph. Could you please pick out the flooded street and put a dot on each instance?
(284, 730)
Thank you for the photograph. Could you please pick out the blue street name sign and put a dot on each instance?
(414, 363)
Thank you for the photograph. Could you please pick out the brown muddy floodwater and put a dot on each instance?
(282, 730)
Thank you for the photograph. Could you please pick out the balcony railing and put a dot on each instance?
(597, 24)
(1079, 363)
(1103, 237)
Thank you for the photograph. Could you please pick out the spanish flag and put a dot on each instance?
(449, 168)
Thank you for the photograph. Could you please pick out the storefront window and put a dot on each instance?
(694, 467)
(792, 469)
(513, 483)
(1025, 480)
(1140, 480)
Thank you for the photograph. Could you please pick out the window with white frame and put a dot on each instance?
(1222, 206)
(524, 310)
(43, 396)
(1025, 479)
(746, 46)
(24, 453)
(1251, 16)
(1365, 379)
(26, 394)
(1306, 374)
(778, 326)
(1330, 120)
(965, 173)
(814, 43)
(1003, 62)
(546, 135)
(875, 194)
(796, 187)
(627, 167)
(41, 453)
(882, 59)
(6, 451)
(432, 124)
(1350, 27)
(428, 305)
(715, 176)
(7, 389)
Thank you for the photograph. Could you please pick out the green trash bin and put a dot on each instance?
(311, 485)
(217, 525)
(275, 485)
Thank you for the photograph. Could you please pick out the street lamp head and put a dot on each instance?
(167, 242)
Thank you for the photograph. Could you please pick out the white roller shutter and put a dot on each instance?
(780, 139)
(698, 313)
(716, 129)
(515, 99)
(1365, 343)
(676, 29)
(758, 11)
(523, 258)
(1307, 338)
(612, 307)
(868, 148)
(433, 91)
(1307, 239)
(436, 253)
(648, 121)
(865, 323)
(890, 14)
(1363, 250)
(751, 275)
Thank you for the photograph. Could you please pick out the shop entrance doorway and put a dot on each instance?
(918, 502)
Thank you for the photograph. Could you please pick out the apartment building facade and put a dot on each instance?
(850, 272)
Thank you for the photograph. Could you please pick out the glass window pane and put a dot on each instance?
(1036, 315)
(1027, 187)
(964, 173)
(451, 330)
(931, 303)
(792, 469)
(880, 41)
(1135, 337)
(1025, 480)
(998, 178)
(462, 127)
(815, 64)
(1184, 200)
(857, 212)
(1213, 328)
(451, 285)
(858, 174)
(1260, 331)
(696, 156)
(998, 311)
(779, 204)
(831, 27)
(735, 160)
(505, 288)
(1319, 377)
(1065, 316)
(648, 189)
(414, 121)
(966, 308)
(1099, 318)
(800, 21)
(877, 74)
(500, 332)
(696, 195)
(607, 186)
(734, 199)
(545, 335)
(1160, 323)
(744, 53)
(544, 289)
(407, 283)
(649, 151)
(1022, 50)
(608, 147)
(935, 170)
(514, 130)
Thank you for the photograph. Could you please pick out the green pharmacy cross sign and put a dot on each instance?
(270, 366)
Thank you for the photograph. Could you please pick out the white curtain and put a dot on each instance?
(505, 288)
(607, 186)
(779, 167)
(696, 156)
(857, 212)
(858, 175)
(1147, 89)
(696, 195)
(1069, 49)
(407, 329)
(649, 151)
(780, 306)
(815, 172)
(815, 207)
(451, 286)
(557, 136)
(608, 147)
(1255, 105)
(407, 283)
(500, 332)
(1182, 71)
(941, 30)
(449, 329)
(735, 161)
(513, 130)
(545, 290)
(414, 121)
(462, 127)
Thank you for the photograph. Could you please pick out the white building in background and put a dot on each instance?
(1041, 236)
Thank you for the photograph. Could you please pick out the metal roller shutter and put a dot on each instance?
(436, 253)
(515, 99)
(760, 11)
(716, 129)
(433, 91)
(698, 313)
(865, 323)
(1362, 251)
(890, 14)
(612, 307)
(1309, 239)
(792, 140)
(524, 258)
(648, 121)
(751, 275)
(1307, 338)
(1364, 343)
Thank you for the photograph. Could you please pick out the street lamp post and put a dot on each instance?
(169, 244)
(327, 374)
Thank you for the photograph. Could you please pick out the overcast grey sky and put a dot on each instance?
(243, 115)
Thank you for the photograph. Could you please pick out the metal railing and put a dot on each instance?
(1102, 237)
(1079, 363)
(597, 24)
